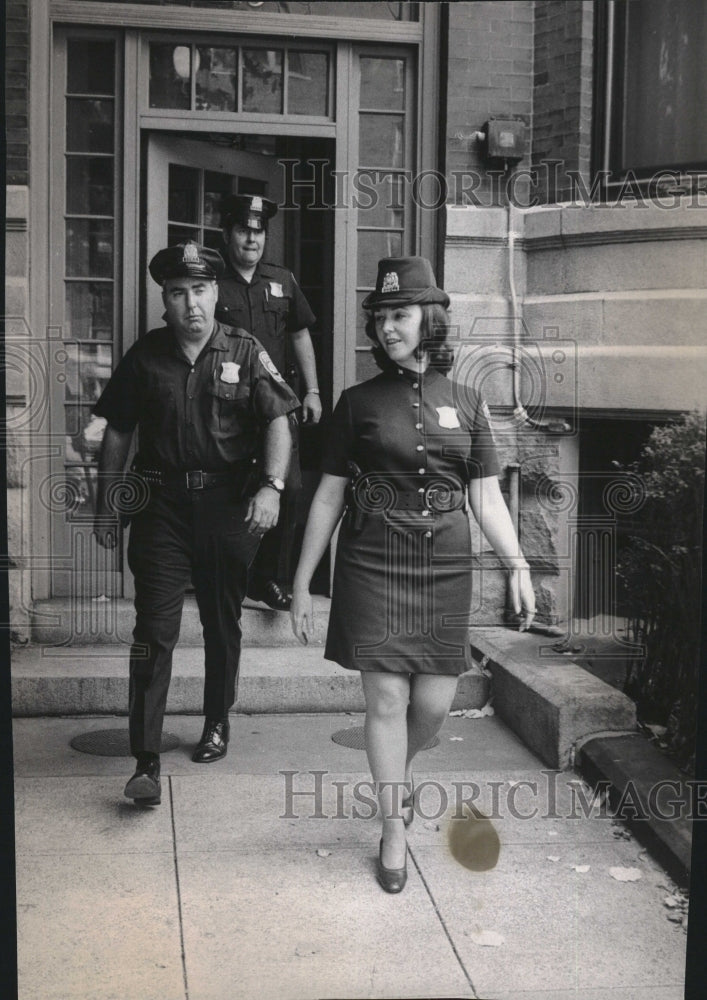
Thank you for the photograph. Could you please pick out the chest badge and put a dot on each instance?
(267, 363)
(447, 417)
(230, 372)
(276, 290)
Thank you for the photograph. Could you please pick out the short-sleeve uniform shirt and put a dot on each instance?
(402, 581)
(205, 415)
(271, 307)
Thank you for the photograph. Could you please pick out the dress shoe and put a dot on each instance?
(271, 593)
(145, 786)
(408, 803)
(391, 879)
(213, 743)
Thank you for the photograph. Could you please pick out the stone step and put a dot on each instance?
(75, 622)
(278, 679)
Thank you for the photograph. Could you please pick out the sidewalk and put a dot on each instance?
(214, 896)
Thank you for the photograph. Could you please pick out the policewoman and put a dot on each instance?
(406, 449)
(266, 300)
(207, 401)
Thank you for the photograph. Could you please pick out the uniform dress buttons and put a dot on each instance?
(416, 385)
(420, 447)
(418, 427)
(425, 513)
(420, 489)
(416, 406)
(422, 471)
(428, 534)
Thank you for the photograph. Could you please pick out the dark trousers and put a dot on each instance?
(182, 537)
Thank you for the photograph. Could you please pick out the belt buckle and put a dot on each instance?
(191, 483)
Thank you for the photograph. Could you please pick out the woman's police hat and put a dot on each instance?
(186, 260)
(405, 281)
(249, 210)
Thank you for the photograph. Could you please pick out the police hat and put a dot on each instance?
(186, 260)
(249, 210)
(405, 281)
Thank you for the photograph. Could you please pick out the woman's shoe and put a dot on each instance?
(391, 879)
(409, 803)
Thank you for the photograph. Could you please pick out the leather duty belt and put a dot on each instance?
(195, 479)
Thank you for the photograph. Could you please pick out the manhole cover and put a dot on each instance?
(114, 743)
(354, 739)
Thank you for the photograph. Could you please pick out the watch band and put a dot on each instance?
(273, 483)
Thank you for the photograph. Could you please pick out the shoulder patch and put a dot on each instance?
(267, 363)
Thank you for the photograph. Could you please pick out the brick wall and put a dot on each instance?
(16, 94)
(490, 74)
(562, 117)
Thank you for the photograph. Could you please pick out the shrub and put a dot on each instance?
(660, 575)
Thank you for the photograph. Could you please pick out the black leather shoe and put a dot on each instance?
(275, 597)
(391, 879)
(145, 786)
(213, 744)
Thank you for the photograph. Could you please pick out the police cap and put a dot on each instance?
(186, 260)
(250, 210)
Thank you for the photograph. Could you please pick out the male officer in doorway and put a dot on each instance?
(267, 301)
(208, 402)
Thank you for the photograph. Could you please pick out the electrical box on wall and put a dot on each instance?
(504, 139)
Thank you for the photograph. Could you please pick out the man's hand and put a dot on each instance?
(263, 511)
(105, 530)
(301, 615)
(522, 597)
(311, 408)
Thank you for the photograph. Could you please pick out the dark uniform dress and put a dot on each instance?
(402, 581)
(207, 416)
(271, 307)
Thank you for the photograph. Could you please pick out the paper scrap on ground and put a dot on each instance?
(553, 857)
(321, 853)
(474, 713)
(580, 869)
(625, 874)
(487, 939)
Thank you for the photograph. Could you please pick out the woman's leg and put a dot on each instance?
(387, 697)
(431, 697)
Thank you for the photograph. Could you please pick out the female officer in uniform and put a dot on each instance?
(404, 449)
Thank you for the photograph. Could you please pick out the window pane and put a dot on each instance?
(91, 66)
(307, 75)
(170, 76)
(89, 248)
(216, 79)
(382, 83)
(216, 185)
(665, 84)
(183, 197)
(89, 310)
(262, 80)
(88, 369)
(180, 234)
(213, 239)
(249, 185)
(89, 126)
(89, 185)
(381, 141)
(371, 247)
(375, 9)
(381, 198)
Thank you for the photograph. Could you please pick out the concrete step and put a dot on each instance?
(86, 621)
(82, 681)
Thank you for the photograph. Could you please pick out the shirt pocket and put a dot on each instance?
(229, 407)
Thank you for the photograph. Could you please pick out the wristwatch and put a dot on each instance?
(273, 482)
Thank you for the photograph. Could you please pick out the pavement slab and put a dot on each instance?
(301, 927)
(560, 928)
(98, 929)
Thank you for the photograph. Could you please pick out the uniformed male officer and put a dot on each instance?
(208, 402)
(267, 301)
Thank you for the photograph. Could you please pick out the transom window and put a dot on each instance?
(249, 78)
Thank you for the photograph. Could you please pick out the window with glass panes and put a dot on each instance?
(90, 269)
(385, 157)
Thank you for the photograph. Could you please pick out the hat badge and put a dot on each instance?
(191, 254)
(256, 204)
(390, 283)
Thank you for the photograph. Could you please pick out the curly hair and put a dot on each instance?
(434, 327)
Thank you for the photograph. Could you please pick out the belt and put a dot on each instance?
(195, 479)
(436, 499)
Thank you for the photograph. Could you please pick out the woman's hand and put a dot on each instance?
(522, 596)
(302, 614)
